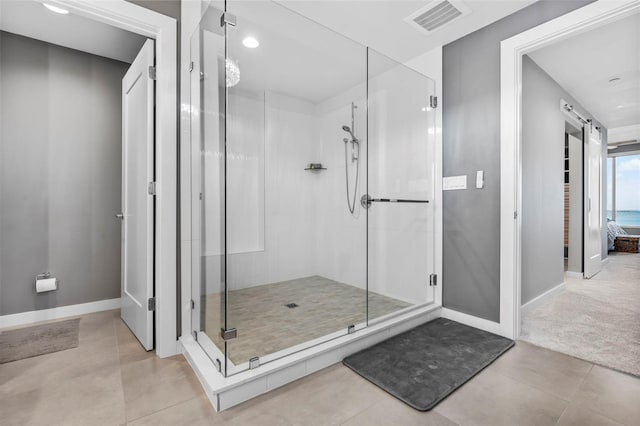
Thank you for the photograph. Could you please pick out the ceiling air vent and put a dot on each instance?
(437, 14)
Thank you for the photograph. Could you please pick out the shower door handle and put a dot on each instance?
(119, 216)
(367, 199)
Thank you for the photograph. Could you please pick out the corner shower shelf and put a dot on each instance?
(315, 166)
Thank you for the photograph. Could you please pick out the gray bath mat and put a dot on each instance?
(425, 364)
(38, 340)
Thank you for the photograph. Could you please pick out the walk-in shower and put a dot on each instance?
(278, 265)
(355, 158)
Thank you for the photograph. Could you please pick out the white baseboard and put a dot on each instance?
(470, 320)
(30, 317)
(534, 303)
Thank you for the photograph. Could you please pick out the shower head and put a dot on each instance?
(348, 130)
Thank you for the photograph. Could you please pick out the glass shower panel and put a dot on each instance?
(208, 185)
(400, 187)
(294, 253)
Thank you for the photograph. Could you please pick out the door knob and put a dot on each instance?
(120, 216)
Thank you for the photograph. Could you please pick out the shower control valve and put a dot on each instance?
(365, 201)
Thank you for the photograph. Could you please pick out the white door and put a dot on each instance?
(137, 202)
(592, 203)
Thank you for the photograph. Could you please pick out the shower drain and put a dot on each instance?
(291, 305)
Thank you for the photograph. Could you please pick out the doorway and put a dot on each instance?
(590, 299)
(116, 18)
(573, 187)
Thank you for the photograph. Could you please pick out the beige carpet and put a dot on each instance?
(597, 320)
(265, 325)
(42, 339)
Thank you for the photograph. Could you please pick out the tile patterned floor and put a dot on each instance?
(110, 380)
(265, 325)
(597, 320)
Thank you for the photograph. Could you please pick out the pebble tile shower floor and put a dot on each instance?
(266, 323)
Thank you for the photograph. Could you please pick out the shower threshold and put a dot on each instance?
(226, 392)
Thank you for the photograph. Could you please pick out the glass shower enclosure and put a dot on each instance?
(312, 176)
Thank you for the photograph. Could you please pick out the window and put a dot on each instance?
(623, 189)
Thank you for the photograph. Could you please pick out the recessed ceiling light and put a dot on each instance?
(55, 9)
(251, 42)
(614, 79)
(619, 106)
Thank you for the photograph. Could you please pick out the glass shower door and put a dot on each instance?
(400, 188)
(294, 252)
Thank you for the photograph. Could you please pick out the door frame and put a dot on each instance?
(163, 29)
(513, 49)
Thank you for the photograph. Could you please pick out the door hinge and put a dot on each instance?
(229, 334)
(433, 280)
(151, 188)
(515, 215)
(433, 102)
(190, 66)
(195, 335)
(152, 72)
(151, 304)
(228, 19)
(218, 365)
(193, 304)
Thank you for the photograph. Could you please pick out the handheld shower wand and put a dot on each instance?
(355, 154)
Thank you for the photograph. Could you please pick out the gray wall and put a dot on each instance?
(543, 129)
(471, 141)
(60, 174)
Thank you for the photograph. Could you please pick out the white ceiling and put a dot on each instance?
(584, 64)
(296, 58)
(380, 23)
(315, 62)
(31, 19)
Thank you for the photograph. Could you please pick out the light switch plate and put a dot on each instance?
(480, 179)
(451, 183)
